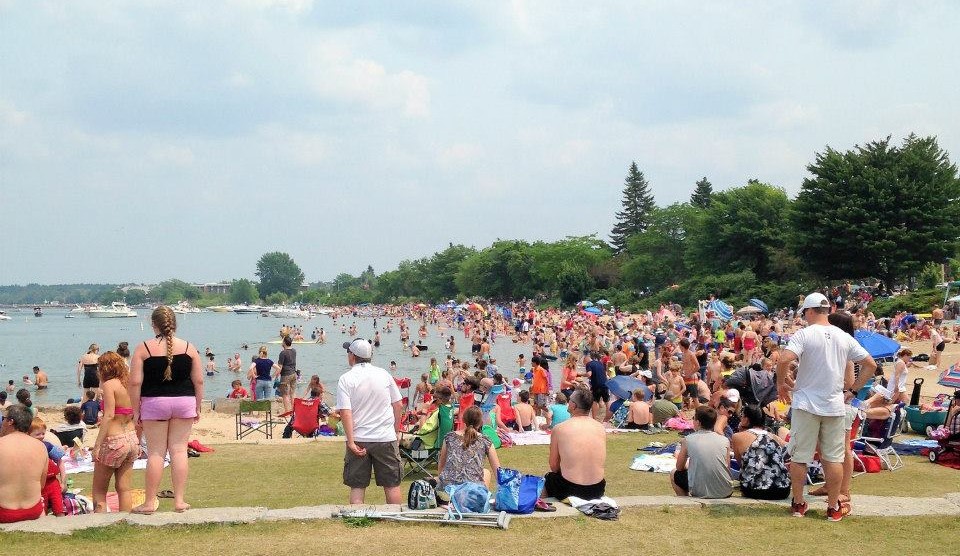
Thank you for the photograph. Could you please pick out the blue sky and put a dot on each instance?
(141, 141)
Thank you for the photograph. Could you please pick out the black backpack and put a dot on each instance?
(421, 496)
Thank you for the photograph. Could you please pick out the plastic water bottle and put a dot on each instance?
(69, 484)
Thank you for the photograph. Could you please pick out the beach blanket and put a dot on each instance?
(531, 438)
(913, 447)
(657, 463)
(661, 448)
(678, 424)
(85, 465)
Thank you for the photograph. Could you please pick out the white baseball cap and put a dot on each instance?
(815, 300)
(732, 394)
(359, 347)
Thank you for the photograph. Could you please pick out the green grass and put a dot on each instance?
(278, 476)
(719, 530)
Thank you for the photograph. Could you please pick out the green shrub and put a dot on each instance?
(920, 301)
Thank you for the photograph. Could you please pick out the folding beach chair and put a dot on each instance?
(419, 456)
(404, 384)
(305, 418)
(254, 417)
(877, 437)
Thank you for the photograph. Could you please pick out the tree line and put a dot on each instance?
(882, 213)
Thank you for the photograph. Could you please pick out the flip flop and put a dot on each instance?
(542, 506)
(165, 494)
(140, 510)
(182, 509)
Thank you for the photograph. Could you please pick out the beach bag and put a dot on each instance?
(619, 418)
(870, 464)
(517, 493)
(468, 498)
(421, 495)
(764, 465)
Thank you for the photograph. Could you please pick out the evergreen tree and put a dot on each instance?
(637, 206)
(702, 194)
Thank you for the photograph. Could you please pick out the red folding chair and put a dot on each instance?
(306, 417)
(404, 384)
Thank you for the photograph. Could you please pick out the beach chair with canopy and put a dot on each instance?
(254, 417)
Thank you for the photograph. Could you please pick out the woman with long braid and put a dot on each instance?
(166, 386)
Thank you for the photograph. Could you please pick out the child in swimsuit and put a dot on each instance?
(117, 445)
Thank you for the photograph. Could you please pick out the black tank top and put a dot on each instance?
(154, 368)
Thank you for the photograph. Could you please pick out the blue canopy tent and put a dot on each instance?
(877, 345)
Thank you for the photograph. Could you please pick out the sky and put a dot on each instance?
(142, 141)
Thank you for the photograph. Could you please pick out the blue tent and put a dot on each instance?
(877, 345)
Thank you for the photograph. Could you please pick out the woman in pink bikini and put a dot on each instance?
(166, 386)
(117, 444)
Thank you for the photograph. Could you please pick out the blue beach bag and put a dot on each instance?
(468, 498)
(517, 493)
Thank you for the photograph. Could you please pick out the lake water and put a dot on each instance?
(55, 344)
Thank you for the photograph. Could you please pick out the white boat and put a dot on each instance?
(246, 309)
(221, 309)
(3, 316)
(116, 309)
(288, 313)
(182, 308)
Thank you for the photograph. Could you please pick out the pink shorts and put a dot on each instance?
(163, 409)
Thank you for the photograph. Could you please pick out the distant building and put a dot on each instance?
(214, 287)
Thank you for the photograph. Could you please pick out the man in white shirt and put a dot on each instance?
(369, 404)
(817, 392)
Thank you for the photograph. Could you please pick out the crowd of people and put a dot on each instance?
(766, 392)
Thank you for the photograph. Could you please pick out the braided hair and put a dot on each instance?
(165, 321)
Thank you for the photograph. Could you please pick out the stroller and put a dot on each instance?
(948, 444)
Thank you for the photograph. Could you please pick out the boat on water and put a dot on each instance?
(220, 309)
(321, 311)
(117, 309)
(287, 313)
(38, 311)
(3, 316)
(246, 309)
(183, 308)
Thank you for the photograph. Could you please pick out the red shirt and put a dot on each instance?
(238, 393)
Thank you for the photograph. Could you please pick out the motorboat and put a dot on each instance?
(220, 309)
(4, 316)
(183, 308)
(247, 309)
(288, 313)
(38, 311)
(117, 309)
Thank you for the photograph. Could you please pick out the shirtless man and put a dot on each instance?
(691, 367)
(41, 379)
(578, 453)
(23, 468)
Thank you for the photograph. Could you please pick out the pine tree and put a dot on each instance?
(637, 206)
(701, 195)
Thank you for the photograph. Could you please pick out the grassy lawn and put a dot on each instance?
(731, 530)
(278, 476)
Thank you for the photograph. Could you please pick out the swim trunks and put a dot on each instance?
(26, 514)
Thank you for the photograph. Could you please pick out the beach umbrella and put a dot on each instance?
(422, 305)
(592, 310)
(877, 345)
(759, 305)
(749, 310)
(585, 303)
(603, 302)
(950, 377)
(722, 310)
(475, 307)
(623, 386)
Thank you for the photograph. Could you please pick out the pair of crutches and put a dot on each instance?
(500, 520)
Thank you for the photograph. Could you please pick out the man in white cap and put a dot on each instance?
(369, 404)
(817, 392)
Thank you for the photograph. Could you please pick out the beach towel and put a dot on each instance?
(913, 447)
(678, 424)
(531, 438)
(656, 463)
(85, 465)
(195, 444)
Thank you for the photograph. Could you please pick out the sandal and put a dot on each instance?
(542, 506)
(165, 494)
